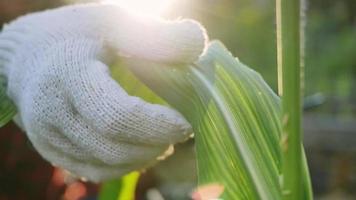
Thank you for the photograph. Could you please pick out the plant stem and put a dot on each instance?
(289, 87)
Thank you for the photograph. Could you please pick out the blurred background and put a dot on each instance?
(247, 27)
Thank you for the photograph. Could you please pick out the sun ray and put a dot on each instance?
(153, 8)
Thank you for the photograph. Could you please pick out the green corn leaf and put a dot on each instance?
(235, 117)
(110, 190)
(7, 108)
(122, 189)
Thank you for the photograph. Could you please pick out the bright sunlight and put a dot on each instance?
(153, 8)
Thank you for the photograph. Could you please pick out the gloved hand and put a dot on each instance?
(75, 115)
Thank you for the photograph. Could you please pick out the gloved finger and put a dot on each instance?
(52, 136)
(63, 119)
(181, 41)
(93, 171)
(103, 148)
(106, 106)
(131, 35)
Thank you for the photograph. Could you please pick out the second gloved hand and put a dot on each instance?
(74, 113)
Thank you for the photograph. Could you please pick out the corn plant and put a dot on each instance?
(7, 108)
(235, 116)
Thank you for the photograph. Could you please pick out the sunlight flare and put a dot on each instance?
(153, 8)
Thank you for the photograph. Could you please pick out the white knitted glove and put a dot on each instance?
(75, 115)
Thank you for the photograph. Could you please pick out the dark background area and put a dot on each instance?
(247, 28)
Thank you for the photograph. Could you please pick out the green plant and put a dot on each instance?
(122, 189)
(236, 120)
(7, 108)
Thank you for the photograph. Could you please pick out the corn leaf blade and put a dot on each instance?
(235, 117)
(7, 108)
(120, 189)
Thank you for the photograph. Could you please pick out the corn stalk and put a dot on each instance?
(290, 88)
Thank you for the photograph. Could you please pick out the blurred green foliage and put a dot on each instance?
(330, 60)
(10, 9)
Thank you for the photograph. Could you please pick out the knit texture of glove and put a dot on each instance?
(74, 113)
